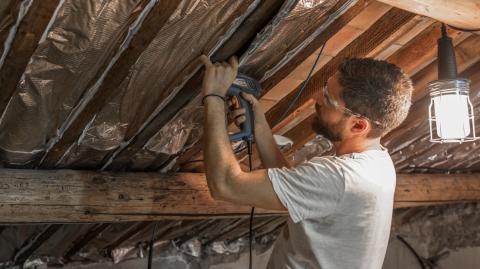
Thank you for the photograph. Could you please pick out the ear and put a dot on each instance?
(360, 126)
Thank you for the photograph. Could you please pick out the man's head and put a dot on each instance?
(365, 98)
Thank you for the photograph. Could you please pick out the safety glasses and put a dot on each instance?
(333, 103)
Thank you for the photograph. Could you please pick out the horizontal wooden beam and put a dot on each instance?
(460, 13)
(436, 188)
(85, 196)
(66, 196)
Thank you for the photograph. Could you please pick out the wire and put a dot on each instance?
(249, 143)
(150, 251)
(297, 96)
(302, 89)
(252, 212)
(419, 258)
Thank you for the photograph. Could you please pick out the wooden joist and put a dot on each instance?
(42, 196)
(460, 13)
(85, 196)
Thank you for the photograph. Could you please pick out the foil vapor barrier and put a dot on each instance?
(5, 21)
(276, 44)
(194, 28)
(78, 45)
(174, 138)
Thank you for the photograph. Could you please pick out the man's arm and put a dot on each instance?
(225, 178)
(269, 152)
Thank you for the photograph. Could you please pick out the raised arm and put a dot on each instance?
(269, 152)
(226, 180)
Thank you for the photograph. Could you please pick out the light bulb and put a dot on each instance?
(451, 112)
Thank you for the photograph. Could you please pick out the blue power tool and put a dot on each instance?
(246, 84)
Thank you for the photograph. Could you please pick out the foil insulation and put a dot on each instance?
(179, 134)
(275, 44)
(11, 14)
(79, 43)
(195, 28)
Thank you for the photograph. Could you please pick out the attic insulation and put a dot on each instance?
(157, 75)
(11, 18)
(78, 45)
(262, 54)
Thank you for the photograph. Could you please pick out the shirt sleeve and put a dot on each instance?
(309, 190)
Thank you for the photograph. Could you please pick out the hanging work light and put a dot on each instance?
(450, 112)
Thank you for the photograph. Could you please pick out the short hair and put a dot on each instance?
(378, 90)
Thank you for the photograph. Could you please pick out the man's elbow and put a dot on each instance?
(219, 190)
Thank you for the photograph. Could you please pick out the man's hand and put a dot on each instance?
(238, 115)
(218, 76)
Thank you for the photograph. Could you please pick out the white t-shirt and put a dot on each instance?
(340, 211)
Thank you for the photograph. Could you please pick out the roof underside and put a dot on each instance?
(114, 85)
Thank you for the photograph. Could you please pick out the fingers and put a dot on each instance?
(206, 61)
(240, 120)
(249, 98)
(238, 112)
(233, 61)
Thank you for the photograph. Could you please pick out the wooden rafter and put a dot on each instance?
(460, 13)
(417, 53)
(86, 196)
(391, 22)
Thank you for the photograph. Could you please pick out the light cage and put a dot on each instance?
(451, 114)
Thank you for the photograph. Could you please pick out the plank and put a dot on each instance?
(460, 13)
(86, 196)
(46, 196)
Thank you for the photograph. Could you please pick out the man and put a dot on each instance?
(339, 207)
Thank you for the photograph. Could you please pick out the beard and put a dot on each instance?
(332, 132)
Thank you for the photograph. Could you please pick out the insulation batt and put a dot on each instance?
(194, 28)
(77, 45)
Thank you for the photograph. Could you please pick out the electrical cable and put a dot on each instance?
(150, 250)
(417, 256)
(302, 89)
(252, 212)
(282, 117)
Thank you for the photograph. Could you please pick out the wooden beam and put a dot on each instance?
(436, 188)
(460, 13)
(41, 196)
(84, 196)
